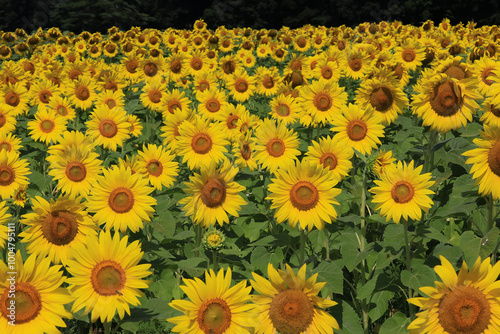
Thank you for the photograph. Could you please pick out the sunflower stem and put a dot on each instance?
(302, 247)
(429, 154)
(364, 306)
(490, 201)
(408, 266)
(327, 245)
(215, 260)
(197, 239)
(107, 327)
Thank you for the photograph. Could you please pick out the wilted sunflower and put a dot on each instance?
(402, 192)
(332, 155)
(275, 145)
(56, 227)
(107, 276)
(13, 173)
(47, 126)
(201, 142)
(485, 161)
(467, 302)
(121, 200)
(213, 194)
(304, 193)
(445, 103)
(39, 298)
(158, 166)
(289, 303)
(322, 100)
(358, 129)
(108, 127)
(214, 306)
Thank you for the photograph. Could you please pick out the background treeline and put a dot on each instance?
(99, 15)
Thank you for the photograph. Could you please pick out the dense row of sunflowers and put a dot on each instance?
(231, 101)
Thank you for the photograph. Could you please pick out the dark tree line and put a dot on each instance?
(99, 15)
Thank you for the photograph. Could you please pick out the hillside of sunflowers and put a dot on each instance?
(207, 181)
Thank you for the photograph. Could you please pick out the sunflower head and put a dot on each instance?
(213, 239)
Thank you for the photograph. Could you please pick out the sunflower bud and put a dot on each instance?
(213, 239)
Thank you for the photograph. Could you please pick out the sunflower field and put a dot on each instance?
(312, 180)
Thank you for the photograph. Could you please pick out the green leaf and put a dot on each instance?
(395, 325)
(347, 318)
(380, 302)
(351, 254)
(488, 242)
(331, 273)
(470, 245)
(261, 257)
(420, 275)
(163, 288)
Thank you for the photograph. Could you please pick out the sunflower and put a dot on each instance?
(158, 166)
(382, 161)
(485, 161)
(121, 200)
(243, 152)
(356, 64)
(358, 129)
(402, 192)
(152, 93)
(56, 227)
(39, 298)
(13, 173)
(321, 100)
(266, 81)
(304, 193)
(47, 126)
(177, 66)
(466, 302)
(108, 127)
(62, 107)
(275, 145)
(8, 119)
(201, 141)
(241, 85)
(152, 67)
(75, 169)
(111, 98)
(491, 107)
(170, 131)
(204, 81)
(410, 54)
(16, 97)
(445, 103)
(135, 125)
(198, 62)
(81, 92)
(214, 307)
(130, 67)
(285, 108)
(9, 142)
(385, 97)
(41, 93)
(230, 117)
(288, 303)
(331, 155)
(213, 194)
(328, 70)
(5, 217)
(107, 276)
(487, 71)
(211, 101)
